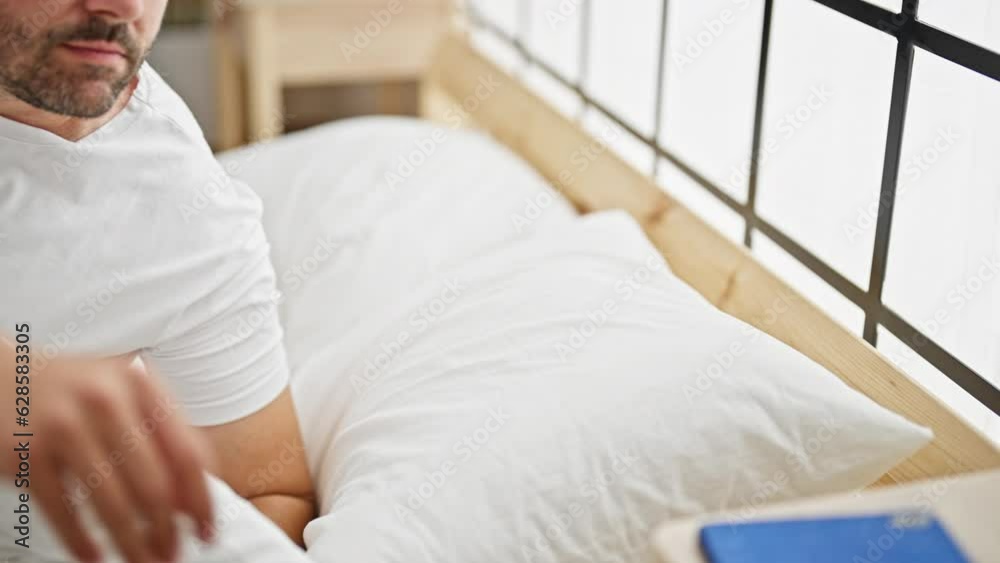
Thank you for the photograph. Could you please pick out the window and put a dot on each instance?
(824, 130)
(555, 33)
(624, 31)
(712, 50)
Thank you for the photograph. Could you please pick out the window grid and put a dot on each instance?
(909, 32)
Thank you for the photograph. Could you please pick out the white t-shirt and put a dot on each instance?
(135, 239)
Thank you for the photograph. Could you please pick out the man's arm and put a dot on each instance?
(224, 357)
(262, 457)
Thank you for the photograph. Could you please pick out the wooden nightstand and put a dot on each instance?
(966, 505)
(265, 45)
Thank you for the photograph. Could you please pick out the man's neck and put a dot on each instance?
(69, 128)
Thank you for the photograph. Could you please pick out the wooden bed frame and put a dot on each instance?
(726, 274)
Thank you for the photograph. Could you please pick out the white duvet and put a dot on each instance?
(484, 376)
(244, 535)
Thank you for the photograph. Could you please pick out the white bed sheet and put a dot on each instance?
(244, 534)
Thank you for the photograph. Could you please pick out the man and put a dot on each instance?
(103, 263)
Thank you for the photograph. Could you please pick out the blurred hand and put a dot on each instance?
(108, 429)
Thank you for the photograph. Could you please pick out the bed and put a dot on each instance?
(724, 273)
(331, 170)
(390, 488)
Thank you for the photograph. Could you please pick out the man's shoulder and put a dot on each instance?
(199, 183)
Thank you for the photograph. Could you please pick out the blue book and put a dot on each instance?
(883, 538)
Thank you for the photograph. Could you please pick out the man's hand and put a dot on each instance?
(107, 426)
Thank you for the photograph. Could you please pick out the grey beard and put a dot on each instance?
(25, 75)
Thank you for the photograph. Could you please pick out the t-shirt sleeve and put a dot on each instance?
(223, 356)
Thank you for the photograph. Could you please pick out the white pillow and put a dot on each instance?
(556, 396)
(353, 230)
(358, 211)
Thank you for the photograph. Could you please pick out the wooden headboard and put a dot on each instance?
(726, 274)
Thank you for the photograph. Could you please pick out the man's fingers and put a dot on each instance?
(185, 455)
(148, 483)
(64, 519)
(143, 474)
(114, 506)
(188, 465)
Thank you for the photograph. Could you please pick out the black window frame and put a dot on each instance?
(910, 33)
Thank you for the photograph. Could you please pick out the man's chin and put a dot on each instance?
(93, 100)
(85, 96)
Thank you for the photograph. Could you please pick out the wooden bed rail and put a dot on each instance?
(725, 273)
